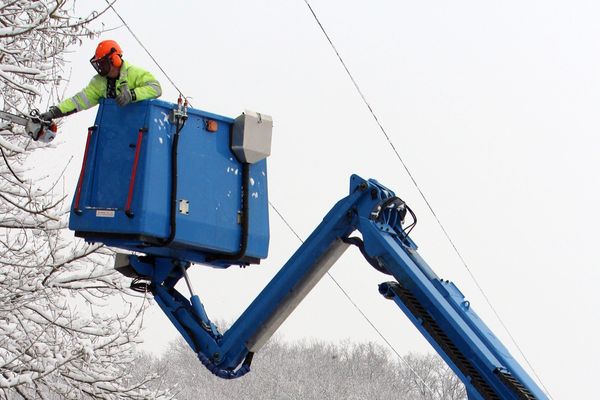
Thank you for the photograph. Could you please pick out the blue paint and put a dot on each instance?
(209, 179)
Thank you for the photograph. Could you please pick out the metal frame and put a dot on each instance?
(436, 307)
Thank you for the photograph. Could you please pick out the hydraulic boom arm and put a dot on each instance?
(436, 307)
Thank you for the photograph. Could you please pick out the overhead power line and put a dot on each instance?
(110, 4)
(406, 169)
(348, 297)
(422, 194)
(359, 310)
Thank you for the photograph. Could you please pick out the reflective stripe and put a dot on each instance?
(143, 82)
(82, 102)
(156, 86)
(67, 106)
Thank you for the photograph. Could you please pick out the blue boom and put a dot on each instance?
(436, 307)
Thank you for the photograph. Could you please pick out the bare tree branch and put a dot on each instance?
(60, 336)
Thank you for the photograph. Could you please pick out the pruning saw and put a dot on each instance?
(36, 128)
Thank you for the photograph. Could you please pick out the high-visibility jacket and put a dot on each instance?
(141, 81)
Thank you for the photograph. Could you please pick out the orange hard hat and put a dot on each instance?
(111, 49)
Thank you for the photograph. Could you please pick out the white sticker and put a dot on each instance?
(105, 213)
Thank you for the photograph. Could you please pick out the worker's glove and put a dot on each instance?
(53, 112)
(126, 96)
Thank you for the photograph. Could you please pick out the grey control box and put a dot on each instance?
(251, 137)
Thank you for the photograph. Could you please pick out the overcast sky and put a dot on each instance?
(493, 106)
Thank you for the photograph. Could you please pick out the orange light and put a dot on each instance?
(212, 125)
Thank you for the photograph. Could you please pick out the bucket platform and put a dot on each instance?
(217, 211)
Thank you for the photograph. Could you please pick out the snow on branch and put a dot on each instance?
(34, 36)
(68, 324)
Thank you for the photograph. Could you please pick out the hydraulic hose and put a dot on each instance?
(173, 195)
(245, 220)
(238, 255)
(226, 373)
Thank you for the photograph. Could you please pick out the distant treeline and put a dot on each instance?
(307, 371)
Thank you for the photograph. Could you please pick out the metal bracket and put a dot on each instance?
(179, 113)
(184, 206)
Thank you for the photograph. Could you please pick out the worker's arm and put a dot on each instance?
(87, 98)
(143, 84)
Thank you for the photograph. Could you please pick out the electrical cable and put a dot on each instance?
(173, 195)
(145, 49)
(278, 213)
(360, 311)
(404, 165)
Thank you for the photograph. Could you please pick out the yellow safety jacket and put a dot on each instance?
(139, 80)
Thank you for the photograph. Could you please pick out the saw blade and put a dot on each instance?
(14, 118)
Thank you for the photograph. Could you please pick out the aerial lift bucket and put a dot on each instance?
(168, 181)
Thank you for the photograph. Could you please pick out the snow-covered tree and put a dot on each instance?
(34, 35)
(62, 333)
(312, 370)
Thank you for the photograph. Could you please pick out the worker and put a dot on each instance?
(116, 79)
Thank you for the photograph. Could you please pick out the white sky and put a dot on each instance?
(493, 105)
